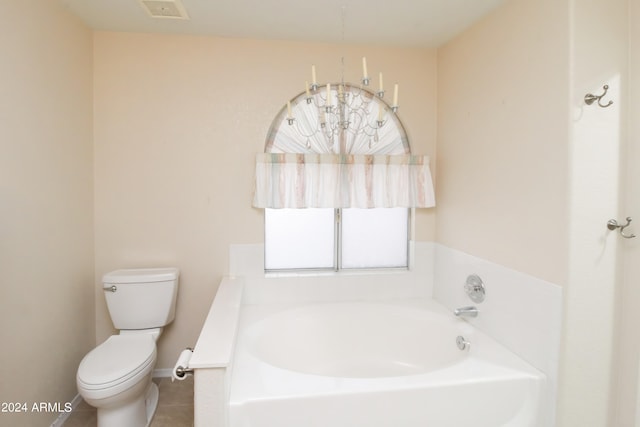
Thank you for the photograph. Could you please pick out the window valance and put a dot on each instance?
(289, 180)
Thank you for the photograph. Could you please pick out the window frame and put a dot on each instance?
(337, 250)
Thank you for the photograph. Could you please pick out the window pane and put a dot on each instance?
(299, 238)
(375, 238)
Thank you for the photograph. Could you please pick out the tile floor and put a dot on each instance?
(175, 406)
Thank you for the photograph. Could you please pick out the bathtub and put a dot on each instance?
(374, 364)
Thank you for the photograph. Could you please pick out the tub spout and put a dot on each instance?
(469, 311)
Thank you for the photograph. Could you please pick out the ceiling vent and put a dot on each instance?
(172, 9)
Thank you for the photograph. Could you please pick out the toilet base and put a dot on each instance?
(151, 401)
(137, 413)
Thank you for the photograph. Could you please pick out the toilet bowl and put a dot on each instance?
(115, 377)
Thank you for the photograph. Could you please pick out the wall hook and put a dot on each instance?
(612, 224)
(591, 98)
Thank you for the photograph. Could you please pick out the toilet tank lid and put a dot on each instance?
(141, 275)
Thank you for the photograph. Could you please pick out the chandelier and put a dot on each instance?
(341, 116)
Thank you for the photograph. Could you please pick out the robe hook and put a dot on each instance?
(612, 224)
(591, 98)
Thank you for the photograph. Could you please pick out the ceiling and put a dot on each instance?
(418, 23)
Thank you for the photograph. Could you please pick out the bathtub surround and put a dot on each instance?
(247, 261)
(520, 312)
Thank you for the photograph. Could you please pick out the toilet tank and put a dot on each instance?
(141, 298)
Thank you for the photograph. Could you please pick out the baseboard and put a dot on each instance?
(62, 418)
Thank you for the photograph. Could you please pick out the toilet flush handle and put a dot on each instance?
(110, 288)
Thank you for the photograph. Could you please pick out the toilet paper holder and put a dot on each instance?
(181, 370)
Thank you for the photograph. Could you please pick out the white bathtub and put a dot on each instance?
(374, 364)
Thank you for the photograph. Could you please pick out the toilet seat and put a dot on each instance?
(121, 359)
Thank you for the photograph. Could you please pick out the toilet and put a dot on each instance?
(115, 377)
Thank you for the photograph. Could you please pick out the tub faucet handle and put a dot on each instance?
(474, 287)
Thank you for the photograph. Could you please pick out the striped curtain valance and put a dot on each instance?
(289, 180)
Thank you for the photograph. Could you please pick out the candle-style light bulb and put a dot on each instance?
(290, 118)
(365, 73)
(395, 95)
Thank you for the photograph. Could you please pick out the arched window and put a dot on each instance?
(337, 183)
(363, 110)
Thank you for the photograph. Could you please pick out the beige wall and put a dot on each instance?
(46, 211)
(528, 175)
(502, 139)
(598, 41)
(178, 120)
